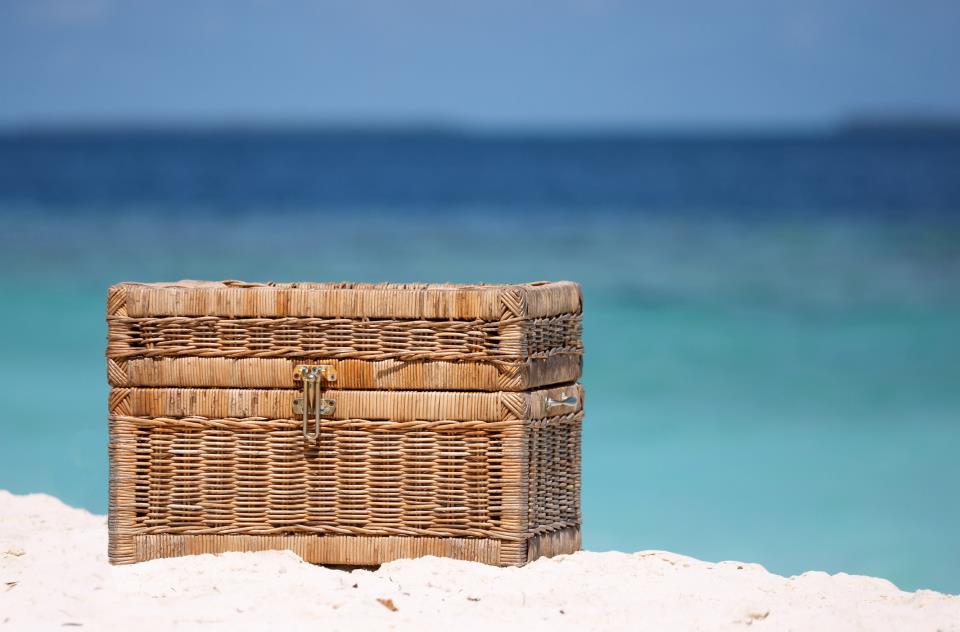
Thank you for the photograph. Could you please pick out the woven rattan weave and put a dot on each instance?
(207, 453)
(388, 336)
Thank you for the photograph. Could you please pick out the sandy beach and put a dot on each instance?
(54, 574)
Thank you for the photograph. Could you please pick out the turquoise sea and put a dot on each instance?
(772, 323)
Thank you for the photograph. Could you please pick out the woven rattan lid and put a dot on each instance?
(346, 300)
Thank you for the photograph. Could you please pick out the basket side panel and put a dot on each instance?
(541, 338)
(560, 542)
(557, 369)
(554, 445)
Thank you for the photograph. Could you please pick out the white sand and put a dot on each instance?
(54, 573)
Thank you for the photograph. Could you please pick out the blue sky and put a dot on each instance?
(600, 63)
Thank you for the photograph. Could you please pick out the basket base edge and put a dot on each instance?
(348, 550)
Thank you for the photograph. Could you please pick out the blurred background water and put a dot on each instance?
(772, 320)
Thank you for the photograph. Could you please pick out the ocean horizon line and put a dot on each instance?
(899, 126)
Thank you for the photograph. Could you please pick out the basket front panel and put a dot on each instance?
(347, 300)
(259, 477)
(404, 407)
(406, 340)
(359, 374)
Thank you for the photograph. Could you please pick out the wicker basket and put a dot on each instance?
(345, 422)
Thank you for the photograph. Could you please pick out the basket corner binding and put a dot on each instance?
(117, 299)
(540, 299)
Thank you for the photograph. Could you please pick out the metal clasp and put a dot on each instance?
(312, 377)
(564, 400)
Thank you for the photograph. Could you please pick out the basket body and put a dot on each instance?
(443, 440)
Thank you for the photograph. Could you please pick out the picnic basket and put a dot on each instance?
(351, 423)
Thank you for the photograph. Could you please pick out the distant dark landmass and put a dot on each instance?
(902, 125)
